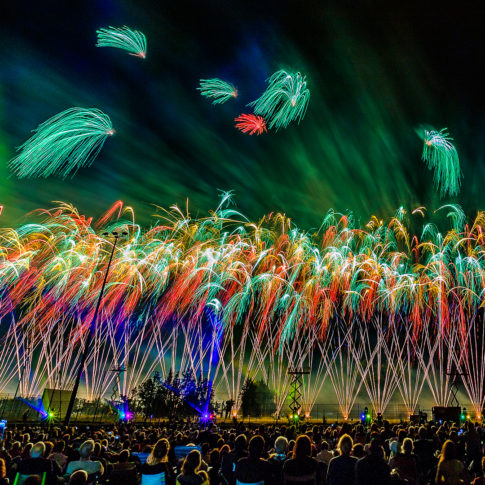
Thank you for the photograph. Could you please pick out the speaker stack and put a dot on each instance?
(450, 413)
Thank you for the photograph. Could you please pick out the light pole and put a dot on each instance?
(92, 326)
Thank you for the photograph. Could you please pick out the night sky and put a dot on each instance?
(376, 70)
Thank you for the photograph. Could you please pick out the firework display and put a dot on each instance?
(392, 309)
(251, 124)
(441, 156)
(63, 144)
(124, 38)
(224, 299)
(285, 99)
(217, 89)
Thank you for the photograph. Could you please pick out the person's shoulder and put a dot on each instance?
(201, 477)
(241, 463)
(312, 462)
(265, 463)
(23, 463)
(190, 479)
(288, 464)
(362, 461)
(333, 460)
(338, 458)
(459, 464)
(73, 464)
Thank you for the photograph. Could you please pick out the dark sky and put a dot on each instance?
(376, 70)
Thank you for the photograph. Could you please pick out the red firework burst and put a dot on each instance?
(252, 124)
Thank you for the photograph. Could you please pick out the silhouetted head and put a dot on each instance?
(86, 449)
(191, 463)
(256, 446)
(345, 445)
(38, 450)
(303, 447)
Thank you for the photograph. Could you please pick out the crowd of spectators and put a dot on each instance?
(186, 454)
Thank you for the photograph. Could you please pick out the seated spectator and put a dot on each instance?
(372, 469)
(123, 462)
(358, 451)
(406, 463)
(37, 465)
(254, 469)
(394, 449)
(58, 454)
(472, 448)
(191, 475)
(214, 467)
(49, 446)
(278, 458)
(450, 470)
(360, 436)
(325, 455)
(424, 451)
(16, 449)
(141, 456)
(341, 469)
(92, 468)
(302, 468)
(481, 480)
(79, 478)
(123, 470)
(229, 460)
(157, 469)
(26, 452)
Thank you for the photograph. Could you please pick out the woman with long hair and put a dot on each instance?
(191, 475)
(301, 468)
(157, 470)
(450, 470)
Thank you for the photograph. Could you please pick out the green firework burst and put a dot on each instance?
(221, 91)
(285, 99)
(63, 144)
(124, 38)
(441, 156)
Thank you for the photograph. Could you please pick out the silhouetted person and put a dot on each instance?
(341, 469)
(38, 465)
(406, 463)
(304, 469)
(191, 473)
(372, 469)
(278, 459)
(254, 469)
(450, 470)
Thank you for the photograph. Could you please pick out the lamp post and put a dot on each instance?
(92, 325)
